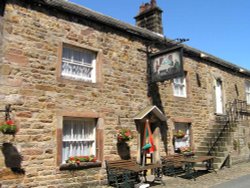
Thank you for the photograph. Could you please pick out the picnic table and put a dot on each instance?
(129, 171)
(143, 170)
(191, 161)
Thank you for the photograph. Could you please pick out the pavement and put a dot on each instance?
(205, 179)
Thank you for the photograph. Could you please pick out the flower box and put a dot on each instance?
(80, 162)
(8, 127)
(80, 166)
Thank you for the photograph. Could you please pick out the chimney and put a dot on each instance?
(150, 17)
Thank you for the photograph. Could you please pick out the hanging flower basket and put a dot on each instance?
(179, 134)
(8, 127)
(124, 135)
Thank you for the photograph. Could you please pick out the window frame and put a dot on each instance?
(98, 65)
(93, 120)
(180, 85)
(98, 135)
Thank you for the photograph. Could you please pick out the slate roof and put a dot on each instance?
(134, 30)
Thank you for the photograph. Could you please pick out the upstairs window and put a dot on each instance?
(79, 137)
(248, 92)
(179, 87)
(79, 64)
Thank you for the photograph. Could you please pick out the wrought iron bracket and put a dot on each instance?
(8, 109)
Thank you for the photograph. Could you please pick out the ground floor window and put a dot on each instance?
(78, 137)
(182, 136)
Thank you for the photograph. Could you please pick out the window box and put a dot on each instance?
(80, 166)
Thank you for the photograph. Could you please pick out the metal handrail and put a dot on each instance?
(232, 113)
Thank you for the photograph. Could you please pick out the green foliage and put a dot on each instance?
(79, 159)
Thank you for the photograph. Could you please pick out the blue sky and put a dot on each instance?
(218, 27)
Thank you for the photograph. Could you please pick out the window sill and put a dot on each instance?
(81, 166)
(66, 80)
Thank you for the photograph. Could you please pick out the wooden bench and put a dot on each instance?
(119, 176)
(172, 164)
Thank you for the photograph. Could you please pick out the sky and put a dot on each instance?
(218, 27)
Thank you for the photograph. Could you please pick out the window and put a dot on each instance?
(185, 141)
(78, 64)
(179, 87)
(248, 92)
(79, 137)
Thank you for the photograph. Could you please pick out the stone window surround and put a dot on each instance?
(99, 137)
(99, 62)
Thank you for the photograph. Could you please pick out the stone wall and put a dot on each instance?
(199, 107)
(1, 55)
(33, 40)
(32, 43)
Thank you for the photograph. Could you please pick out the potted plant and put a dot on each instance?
(124, 135)
(179, 134)
(8, 127)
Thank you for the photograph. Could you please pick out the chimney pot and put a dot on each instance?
(153, 3)
(142, 8)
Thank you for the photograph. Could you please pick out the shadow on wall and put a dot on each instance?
(12, 158)
(123, 150)
(153, 92)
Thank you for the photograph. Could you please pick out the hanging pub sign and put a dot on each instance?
(166, 64)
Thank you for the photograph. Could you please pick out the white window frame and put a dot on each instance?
(247, 90)
(180, 87)
(77, 140)
(82, 67)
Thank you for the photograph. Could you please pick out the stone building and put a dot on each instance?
(74, 77)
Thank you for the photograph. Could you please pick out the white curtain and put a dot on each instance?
(78, 64)
(78, 138)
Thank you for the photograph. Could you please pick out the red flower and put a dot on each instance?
(128, 133)
(9, 122)
(71, 158)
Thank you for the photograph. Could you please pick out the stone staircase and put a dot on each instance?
(219, 138)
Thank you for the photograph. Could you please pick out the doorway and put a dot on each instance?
(219, 97)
